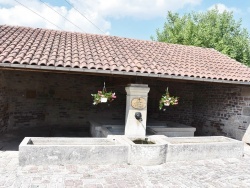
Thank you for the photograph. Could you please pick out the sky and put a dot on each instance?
(136, 19)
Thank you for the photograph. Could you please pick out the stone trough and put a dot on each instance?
(61, 151)
(171, 129)
(153, 152)
(120, 149)
(201, 148)
(117, 130)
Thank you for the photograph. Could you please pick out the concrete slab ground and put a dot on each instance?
(226, 173)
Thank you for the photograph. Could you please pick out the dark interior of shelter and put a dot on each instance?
(60, 104)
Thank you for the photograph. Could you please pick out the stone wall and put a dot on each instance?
(182, 112)
(221, 109)
(44, 99)
(3, 105)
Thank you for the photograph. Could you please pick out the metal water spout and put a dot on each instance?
(138, 116)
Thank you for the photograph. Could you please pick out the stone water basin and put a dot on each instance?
(118, 130)
(153, 153)
(201, 148)
(171, 129)
(120, 149)
(112, 130)
(168, 128)
(61, 151)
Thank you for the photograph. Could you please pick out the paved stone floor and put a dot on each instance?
(221, 173)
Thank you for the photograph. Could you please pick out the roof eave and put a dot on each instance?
(99, 71)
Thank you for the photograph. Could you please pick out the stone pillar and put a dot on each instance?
(137, 98)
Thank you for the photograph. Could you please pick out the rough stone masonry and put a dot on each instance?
(29, 99)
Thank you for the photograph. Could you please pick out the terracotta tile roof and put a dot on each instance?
(22, 45)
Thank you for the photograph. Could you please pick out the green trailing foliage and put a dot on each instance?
(210, 29)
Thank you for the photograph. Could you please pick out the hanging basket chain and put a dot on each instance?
(104, 88)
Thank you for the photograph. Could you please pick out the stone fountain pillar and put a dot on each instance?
(137, 98)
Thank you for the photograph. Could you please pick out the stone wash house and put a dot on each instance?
(47, 77)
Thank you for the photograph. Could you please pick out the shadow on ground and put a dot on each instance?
(11, 140)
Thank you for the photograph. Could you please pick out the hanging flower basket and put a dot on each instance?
(167, 100)
(103, 96)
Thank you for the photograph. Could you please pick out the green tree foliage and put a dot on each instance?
(210, 29)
